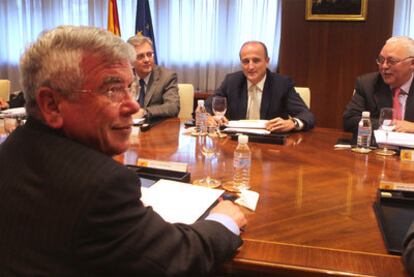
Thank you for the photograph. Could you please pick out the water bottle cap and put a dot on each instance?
(243, 139)
(200, 102)
(366, 114)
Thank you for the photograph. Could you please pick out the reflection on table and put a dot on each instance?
(314, 215)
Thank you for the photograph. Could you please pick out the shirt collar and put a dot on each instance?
(259, 85)
(406, 87)
(146, 79)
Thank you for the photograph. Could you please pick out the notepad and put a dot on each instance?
(178, 202)
(250, 124)
(395, 138)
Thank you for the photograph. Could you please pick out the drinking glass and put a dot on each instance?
(209, 151)
(386, 123)
(219, 106)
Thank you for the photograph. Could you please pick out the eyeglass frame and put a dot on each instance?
(142, 56)
(115, 94)
(390, 60)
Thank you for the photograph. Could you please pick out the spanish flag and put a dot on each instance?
(113, 19)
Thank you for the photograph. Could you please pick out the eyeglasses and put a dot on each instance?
(115, 94)
(390, 61)
(142, 56)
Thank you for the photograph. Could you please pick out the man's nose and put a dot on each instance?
(130, 105)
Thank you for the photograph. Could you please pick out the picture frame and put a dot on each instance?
(336, 10)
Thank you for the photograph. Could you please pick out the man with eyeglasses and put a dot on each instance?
(67, 207)
(391, 86)
(157, 91)
(257, 93)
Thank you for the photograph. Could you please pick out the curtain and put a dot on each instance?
(200, 39)
(22, 21)
(404, 18)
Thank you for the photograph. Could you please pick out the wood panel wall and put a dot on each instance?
(328, 56)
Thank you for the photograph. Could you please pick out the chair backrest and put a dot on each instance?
(186, 93)
(5, 89)
(305, 94)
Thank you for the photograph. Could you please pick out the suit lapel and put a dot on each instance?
(152, 85)
(383, 95)
(242, 108)
(409, 105)
(266, 96)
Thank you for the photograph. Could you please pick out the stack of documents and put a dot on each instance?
(395, 138)
(178, 202)
(247, 126)
(14, 112)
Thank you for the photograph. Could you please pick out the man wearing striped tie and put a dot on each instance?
(157, 91)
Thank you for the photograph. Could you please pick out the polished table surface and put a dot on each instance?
(314, 215)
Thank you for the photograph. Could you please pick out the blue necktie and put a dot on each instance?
(141, 93)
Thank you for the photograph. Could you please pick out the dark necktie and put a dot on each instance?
(141, 92)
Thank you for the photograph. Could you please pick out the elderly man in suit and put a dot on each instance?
(157, 91)
(390, 87)
(257, 93)
(67, 207)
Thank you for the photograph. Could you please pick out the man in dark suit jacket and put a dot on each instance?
(67, 207)
(157, 90)
(275, 96)
(373, 91)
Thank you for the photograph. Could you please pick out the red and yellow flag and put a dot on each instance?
(113, 19)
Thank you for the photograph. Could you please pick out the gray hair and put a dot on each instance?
(139, 40)
(54, 59)
(255, 42)
(404, 41)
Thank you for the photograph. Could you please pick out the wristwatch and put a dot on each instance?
(296, 123)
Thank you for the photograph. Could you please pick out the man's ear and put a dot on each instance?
(48, 102)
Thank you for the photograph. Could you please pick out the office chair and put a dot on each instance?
(305, 94)
(5, 89)
(186, 93)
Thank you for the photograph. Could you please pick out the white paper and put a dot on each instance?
(248, 199)
(395, 138)
(137, 121)
(260, 124)
(21, 111)
(247, 131)
(178, 202)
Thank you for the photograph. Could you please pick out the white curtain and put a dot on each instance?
(22, 21)
(404, 18)
(200, 39)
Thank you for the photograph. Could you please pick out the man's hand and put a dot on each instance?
(221, 120)
(230, 209)
(404, 126)
(279, 124)
(139, 114)
(215, 121)
(3, 104)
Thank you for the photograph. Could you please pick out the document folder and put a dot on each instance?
(271, 138)
(157, 174)
(395, 213)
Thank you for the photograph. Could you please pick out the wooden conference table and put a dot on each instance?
(314, 216)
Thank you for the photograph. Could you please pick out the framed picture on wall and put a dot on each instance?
(336, 10)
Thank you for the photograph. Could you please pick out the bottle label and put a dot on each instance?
(239, 163)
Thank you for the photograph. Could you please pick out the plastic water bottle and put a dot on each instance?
(201, 118)
(364, 131)
(242, 163)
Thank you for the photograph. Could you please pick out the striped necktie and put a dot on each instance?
(141, 93)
